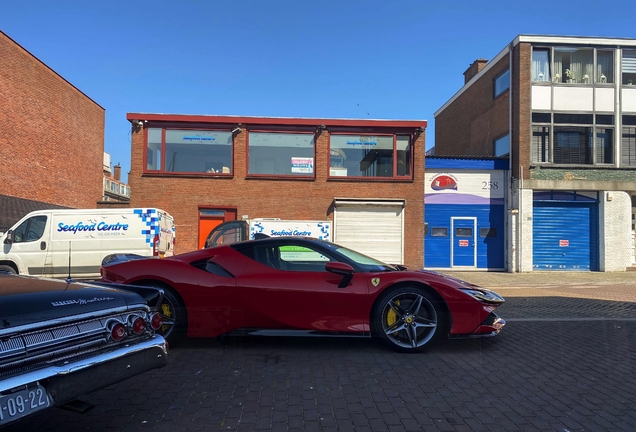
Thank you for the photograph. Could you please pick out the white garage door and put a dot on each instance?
(374, 228)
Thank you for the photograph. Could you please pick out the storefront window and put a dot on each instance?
(197, 151)
(369, 156)
(281, 154)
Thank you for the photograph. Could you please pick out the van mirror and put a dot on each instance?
(9, 238)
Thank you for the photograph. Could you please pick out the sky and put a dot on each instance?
(373, 59)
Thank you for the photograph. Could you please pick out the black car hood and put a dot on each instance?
(27, 300)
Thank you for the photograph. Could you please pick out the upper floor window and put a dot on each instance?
(370, 156)
(572, 139)
(189, 151)
(502, 83)
(572, 65)
(541, 64)
(281, 154)
(502, 145)
(628, 66)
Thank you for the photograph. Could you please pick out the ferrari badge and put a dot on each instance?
(375, 281)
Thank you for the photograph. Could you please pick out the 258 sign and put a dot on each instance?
(489, 185)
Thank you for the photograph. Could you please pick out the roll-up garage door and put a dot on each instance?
(374, 228)
(565, 235)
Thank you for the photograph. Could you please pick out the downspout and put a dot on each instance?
(516, 248)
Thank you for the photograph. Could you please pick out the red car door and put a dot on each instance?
(288, 287)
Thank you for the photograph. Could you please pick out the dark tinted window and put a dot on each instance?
(488, 232)
(574, 118)
(463, 232)
(439, 232)
(541, 117)
(604, 119)
(30, 230)
(629, 120)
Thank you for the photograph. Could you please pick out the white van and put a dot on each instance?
(62, 243)
(249, 229)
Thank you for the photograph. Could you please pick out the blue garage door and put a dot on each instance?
(565, 235)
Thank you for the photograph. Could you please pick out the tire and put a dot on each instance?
(8, 268)
(174, 315)
(409, 319)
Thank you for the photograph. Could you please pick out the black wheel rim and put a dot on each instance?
(409, 320)
(168, 313)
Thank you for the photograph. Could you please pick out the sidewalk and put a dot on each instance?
(544, 278)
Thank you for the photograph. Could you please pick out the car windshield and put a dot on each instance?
(362, 260)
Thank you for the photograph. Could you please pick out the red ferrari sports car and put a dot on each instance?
(292, 283)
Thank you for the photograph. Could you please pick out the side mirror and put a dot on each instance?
(9, 238)
(342, 269)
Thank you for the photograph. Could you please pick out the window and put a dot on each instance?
(370, 156)
(154, 150)
(502, 145)
(488, 232)
(605, 67)
(573, 139)
(439, 232)
(628, 66)
(628, 147)
(198, 151)
(541, 64)
(502, 83)
(574, 65)
(30, 230)
(281, 154)
(463, 232)
(540, 144)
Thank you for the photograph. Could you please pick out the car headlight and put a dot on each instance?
(484, 295)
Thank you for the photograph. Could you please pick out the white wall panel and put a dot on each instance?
(541, 97)
(629, 99)
(605, 99)
(571, 98)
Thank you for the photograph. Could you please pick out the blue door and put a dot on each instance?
(565, 235)
(463, 250)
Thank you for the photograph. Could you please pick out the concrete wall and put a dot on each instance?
(615, 215)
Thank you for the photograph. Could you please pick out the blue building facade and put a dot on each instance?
(465, 213)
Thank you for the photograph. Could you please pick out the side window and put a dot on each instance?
(291, 258)
(30, 230)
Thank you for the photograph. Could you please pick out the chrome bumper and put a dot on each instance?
(67, 381)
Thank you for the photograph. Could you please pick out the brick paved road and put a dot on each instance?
(565, 362)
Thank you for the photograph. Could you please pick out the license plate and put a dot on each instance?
(22, 403)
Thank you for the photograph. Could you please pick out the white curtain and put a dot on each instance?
(558, 67)
(540, 65)
(581, 64)
(604, 67)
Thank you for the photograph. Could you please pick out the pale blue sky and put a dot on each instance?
(374, 59)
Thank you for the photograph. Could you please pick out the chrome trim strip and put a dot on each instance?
(156, 344)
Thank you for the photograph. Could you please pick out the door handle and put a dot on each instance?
(42, 245)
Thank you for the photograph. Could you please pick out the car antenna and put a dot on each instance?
(69, 278)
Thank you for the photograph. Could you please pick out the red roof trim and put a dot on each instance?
(187, 118)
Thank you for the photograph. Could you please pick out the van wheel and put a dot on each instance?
(8, 268)
(173, 312)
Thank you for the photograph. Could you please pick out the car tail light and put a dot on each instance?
(156, 321)
(118, 332)
(138, 325)
(155, 246)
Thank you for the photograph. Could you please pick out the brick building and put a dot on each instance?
(564, 110)
(51, 137)
(366, 176)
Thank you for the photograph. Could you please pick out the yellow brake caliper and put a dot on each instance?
(167, 312)
(391, 316)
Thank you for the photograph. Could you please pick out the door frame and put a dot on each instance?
(452, 241)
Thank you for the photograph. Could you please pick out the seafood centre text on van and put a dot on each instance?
(102, 226)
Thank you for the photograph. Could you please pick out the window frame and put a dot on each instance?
(177, 127)
(290, 131)
(366, 133)
(496, 80)
(595, 130)
(555, 75)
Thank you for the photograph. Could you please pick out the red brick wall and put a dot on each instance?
(470, 124)
(521, 110)
(51, 134)
(282, 198)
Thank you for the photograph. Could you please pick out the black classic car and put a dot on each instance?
(62, 339)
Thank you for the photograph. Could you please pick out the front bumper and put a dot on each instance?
(490, 327)
(65, 382)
